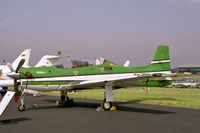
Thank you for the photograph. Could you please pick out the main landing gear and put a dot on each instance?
(65, 100)
(106, 104)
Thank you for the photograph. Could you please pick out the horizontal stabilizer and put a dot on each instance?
(49, 60)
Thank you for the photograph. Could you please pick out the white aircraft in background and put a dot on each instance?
(24, 55)
(49, 60)
(6, 81)
(127, 63)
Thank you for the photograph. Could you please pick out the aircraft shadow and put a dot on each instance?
(121, 107)
(143, 110)
(13, 121)
(88, 104)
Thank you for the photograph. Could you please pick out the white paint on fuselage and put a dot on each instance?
(6, 83)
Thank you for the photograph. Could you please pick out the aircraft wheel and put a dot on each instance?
(21, 107)
(71, 102)
(107, 105)
(62, 98)
(67, 99)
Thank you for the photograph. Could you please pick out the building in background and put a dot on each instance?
(188, 68)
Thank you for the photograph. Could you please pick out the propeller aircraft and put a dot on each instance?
(105, 74)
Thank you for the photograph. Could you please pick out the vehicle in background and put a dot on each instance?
(186, 83)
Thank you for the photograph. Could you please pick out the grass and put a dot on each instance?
(188, 98)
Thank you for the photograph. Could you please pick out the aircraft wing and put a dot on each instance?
(118, 82)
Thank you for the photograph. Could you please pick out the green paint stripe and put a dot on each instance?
(49, 83)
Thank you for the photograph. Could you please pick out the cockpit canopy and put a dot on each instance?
(100, 61)
(82, 63)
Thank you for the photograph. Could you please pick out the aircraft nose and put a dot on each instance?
(13, 75)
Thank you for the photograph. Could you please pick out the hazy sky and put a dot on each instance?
(115, 29)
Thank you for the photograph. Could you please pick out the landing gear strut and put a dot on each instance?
(108, 97)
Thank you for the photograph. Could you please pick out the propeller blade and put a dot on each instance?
(10, 67)
(21, 63)
(1, 72)
(16, 98)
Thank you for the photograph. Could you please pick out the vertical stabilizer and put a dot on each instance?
(161, 60)
(161, 55)
(24, 55)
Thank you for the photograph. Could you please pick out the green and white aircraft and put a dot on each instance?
(105, 74)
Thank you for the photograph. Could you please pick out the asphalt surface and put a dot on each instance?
(47, 117)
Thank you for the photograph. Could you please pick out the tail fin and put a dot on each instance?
(161, 60)
(49, 60)
(24, 55)
(161, 55)
(127, 63)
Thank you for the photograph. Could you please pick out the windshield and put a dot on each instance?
(75, 63)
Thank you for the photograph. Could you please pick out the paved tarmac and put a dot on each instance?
(83, 118)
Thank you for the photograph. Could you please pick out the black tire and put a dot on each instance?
(71, 102)
(4, 91)
(62, 98)
(21, 107)
(67, 99)
(5, 88)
